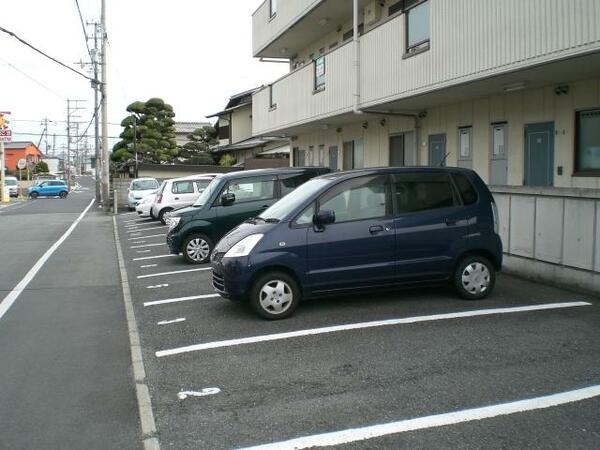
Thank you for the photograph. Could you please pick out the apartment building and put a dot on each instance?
(234, 129)
(510, 89)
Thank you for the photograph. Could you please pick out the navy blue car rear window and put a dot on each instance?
(465, 188)
(417, 192)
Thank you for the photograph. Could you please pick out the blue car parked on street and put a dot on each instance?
(364, 229)
(49, 188)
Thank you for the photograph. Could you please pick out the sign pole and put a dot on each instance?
(5, 198)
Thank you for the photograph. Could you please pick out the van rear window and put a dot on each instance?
(465, 188)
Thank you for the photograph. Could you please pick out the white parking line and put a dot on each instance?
(150, 275)
(139, 223)
(437, 420)
(144, 258)
(147, 245)
(143, 251)
(148, 265)
(362, 325)
(180, 299)
(146, 237)
(22, 285)
(157, 286)
(139, 242)
(167, 322)
(146, 229)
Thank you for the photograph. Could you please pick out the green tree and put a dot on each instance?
(227, 160)
(197, 150)
(41, 167)
(150, 124)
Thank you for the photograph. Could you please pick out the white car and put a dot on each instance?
(12, 184)
(179, 193)
(144, 207)
(138, 189)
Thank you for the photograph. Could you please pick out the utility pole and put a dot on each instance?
(72, 108)
(54, 144)
(94, 53)
(105, 161)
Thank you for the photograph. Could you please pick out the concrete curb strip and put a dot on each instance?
(139, 374)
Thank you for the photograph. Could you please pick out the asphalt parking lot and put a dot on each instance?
(407, 369)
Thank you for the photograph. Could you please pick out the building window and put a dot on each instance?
(299, 157)
(499, 141)
(464, 143)
(272, 8)
(587, 147)
(321, 156)
(319, 73)
(417, 28)
(353, 155)
(272, 98)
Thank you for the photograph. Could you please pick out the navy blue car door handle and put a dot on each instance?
(375, 229)
(451, 222)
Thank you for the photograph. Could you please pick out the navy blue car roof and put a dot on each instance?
(348, 174)
(272, 171)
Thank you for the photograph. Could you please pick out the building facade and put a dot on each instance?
(14, 151)
(510, 89)
(234, 129)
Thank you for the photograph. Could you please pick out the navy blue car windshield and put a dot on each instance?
(281, 209)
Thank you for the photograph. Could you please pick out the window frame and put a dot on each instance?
(388, 194)
(319, 87)
(421, 46)
(469, 157)
(457, 199)
(272, 9)
(248, 180)
(578, 171)
(181, 182)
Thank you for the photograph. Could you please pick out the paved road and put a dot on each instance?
(65, 377)
(277, 390)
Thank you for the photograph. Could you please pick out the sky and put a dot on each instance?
(194, 54)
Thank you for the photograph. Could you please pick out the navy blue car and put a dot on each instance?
(364, 229)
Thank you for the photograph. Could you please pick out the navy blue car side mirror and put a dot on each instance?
(227, 199)
(324, 217)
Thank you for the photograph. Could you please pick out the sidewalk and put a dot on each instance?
(66, 377)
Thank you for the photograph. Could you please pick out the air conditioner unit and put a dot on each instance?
(372, 12)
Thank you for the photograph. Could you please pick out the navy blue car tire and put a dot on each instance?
(34, 195)
(275, 295)
(63, 194)
(475, 277)
(197, 248)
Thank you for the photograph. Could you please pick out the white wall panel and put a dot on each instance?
(503, 204)
(579, 233)
(549, 229)
(522, 225)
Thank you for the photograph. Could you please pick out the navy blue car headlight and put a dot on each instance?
(244, 247)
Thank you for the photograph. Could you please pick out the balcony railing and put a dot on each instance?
(266, 28)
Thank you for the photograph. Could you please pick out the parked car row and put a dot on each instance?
(277, 236)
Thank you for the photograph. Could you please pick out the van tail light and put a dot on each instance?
(495, 216)
(159, 198)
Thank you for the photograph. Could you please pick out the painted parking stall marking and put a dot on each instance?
(438, 420)
(147, 237)
(364, 325)
(162, 274)
(145, 229)
(145, 266)
(203, 393)
(143, 251)
(180, 299)
(147, 245)
(157, 286)
(144, 258)
(168, 322)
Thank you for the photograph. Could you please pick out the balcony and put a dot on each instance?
(296, 25)
(476, 49)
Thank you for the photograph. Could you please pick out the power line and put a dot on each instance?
(85, 35)
(89, 124)
(59, 135)
(32, 79)
(22, 41)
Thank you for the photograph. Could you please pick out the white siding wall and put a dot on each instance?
(472, 39)
(265, 29)
(241, 124)
(296, 100)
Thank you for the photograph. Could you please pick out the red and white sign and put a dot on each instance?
(5, 127)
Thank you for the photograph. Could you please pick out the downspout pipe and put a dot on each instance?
(356, 44)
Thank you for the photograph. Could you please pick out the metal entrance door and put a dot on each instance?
(539, 154)
(397, 151)
(437, 150)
